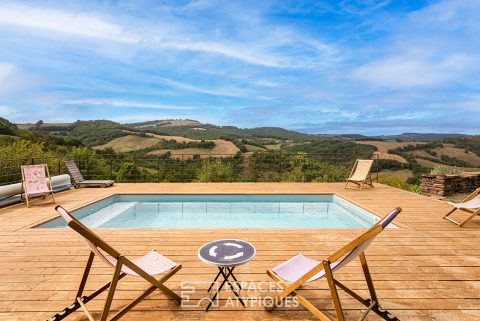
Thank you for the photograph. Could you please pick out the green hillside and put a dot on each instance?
(471, 144)
(266, 153)
(90, 132)
(208, 131)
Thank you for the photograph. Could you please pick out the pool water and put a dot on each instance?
(221, 211)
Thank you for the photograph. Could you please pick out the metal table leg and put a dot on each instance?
(225, 280)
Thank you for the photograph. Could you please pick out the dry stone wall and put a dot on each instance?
(441, 186)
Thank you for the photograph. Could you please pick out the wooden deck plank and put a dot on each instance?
(426, 269)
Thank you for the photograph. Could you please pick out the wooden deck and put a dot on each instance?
(427, 270)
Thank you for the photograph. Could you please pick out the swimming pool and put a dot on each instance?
(221, 211)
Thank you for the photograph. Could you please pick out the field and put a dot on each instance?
(402, 174)
(273, 146)
(171, 123)
(129, 143)
(222, 148)
(133, 142)
(179, 139)
(383, 147)
(253, 148)
(430, 164)
(458, 153)
(449, 150)
(29, 125)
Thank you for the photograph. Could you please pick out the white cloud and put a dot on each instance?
(362, 7)
(228, 92)
(411, 71)
(430, 47)
(6, 70)
(125, 103)
(177, 35)
(61, 21)
(242, 52)
(4, 109)
(13, 80)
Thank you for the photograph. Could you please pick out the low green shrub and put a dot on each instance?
(445, 170)
(396, 182)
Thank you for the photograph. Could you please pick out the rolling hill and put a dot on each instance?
(270, 147)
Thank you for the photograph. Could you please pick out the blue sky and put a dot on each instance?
(371, 66)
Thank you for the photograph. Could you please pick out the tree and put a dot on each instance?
(21, 152)
(215, 170)
(38, 124)
(298, 164)
(128, 172)
(92, 165)
(7, 128)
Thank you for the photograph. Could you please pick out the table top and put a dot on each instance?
(226, 253)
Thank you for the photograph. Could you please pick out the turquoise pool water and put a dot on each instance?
(221, 211)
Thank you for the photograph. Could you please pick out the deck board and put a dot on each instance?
(428, 269)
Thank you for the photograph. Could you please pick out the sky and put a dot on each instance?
(344, 66)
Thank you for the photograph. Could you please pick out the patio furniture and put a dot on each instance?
(226, 255)
(471, 205)
(145, 267)
(361, 173)
(36, 181)
(79, 181)
(12, 193)
(292, 274)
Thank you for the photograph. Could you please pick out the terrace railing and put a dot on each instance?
(249, 167)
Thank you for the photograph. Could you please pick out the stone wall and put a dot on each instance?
(443, 185)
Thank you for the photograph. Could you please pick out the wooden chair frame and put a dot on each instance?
(81, 300)
(367, 181)
(47, 173)
(371, 303)
(79, 180)
(472, 212)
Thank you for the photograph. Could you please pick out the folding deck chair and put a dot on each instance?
(79, 181)
(471, 205)
(300, 269)
(145, 267)
(360, 174)
(36, 181)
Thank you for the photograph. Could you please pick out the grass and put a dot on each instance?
(458, 153)
(252, 148)
(383, 148)
(133, 142)
(179, 139)
(129, 143)
(273, 146)
(402, 174)
(430, 164)
(222, 148)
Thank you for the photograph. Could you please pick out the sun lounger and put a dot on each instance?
(79, 181)
(145, 267)
(361, 173)
(471, 205)
(293, 273)
(36, 181)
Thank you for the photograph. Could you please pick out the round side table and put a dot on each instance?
(226, 255)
